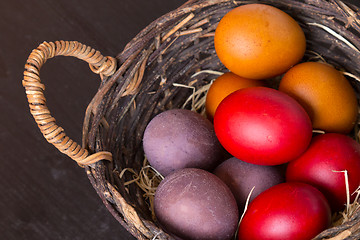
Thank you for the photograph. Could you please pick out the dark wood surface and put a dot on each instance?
(44, 194)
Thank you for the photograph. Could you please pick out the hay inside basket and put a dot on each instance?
(170, 64)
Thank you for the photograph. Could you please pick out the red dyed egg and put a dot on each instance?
(322, 163)
(262, 126)
(295, 211)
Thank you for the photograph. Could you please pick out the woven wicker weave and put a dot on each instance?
(146, 78)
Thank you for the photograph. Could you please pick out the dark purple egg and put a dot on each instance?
(241, 177)
(180, 138)
(195, 204)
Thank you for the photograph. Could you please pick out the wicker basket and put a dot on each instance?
(155, 72)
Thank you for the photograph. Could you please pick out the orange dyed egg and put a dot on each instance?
(223, 86)
(258, 41)
(325, 94)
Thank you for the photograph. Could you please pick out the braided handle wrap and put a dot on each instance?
(104, 66)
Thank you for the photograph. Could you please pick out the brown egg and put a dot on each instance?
(258, 41)
(223, 86)
(325, 93)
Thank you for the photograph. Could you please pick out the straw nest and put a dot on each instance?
(170, 64)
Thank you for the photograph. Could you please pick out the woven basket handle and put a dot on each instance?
(104, 66)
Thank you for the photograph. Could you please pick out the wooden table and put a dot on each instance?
(44, 194)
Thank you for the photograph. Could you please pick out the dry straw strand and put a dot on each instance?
(335, 34)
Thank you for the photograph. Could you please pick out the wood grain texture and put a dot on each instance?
(44, 194)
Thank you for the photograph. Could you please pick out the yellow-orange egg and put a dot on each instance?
(223, 86)
(325, 93)
(258, 41)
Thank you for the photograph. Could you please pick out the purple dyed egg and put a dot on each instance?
(241, 177)
(180, 138)
(192, 203)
